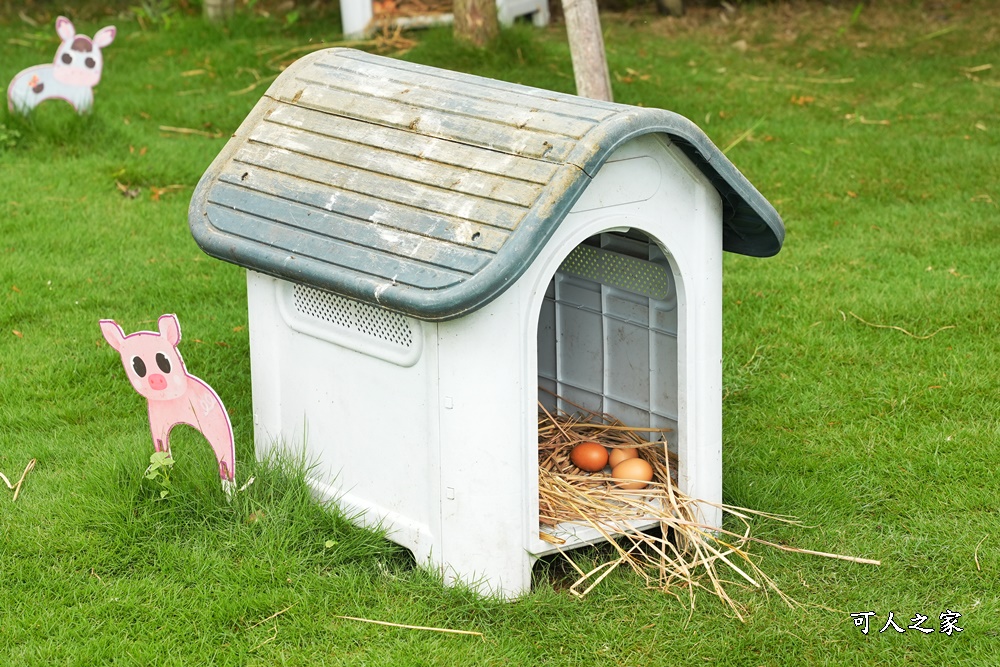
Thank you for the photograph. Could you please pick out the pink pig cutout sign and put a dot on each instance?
(72, 75)
(155, 369)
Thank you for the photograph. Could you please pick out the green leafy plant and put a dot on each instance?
(8, 137)
(156, 13)
(855, 16)
(159, 470)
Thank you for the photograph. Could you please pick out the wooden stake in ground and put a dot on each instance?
(586, 49)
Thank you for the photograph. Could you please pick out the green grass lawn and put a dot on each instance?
(861, 364)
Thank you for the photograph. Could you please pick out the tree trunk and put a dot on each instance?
(476, 21)
(586, 49)
(670, 7)
(218, 10)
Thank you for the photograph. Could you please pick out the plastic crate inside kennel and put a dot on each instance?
(425, 249)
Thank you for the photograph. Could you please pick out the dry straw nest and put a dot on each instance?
(685, 554)
(563, 486)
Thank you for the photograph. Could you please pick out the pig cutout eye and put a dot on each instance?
(162, 362)
(89, 62)
(139, 366)
(67, 58)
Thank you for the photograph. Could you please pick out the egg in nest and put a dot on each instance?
(589, 456)
(637, 473)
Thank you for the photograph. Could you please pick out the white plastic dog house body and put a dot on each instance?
(420, 412)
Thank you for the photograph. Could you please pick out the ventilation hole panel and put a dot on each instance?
(353, 315)
(610, 268)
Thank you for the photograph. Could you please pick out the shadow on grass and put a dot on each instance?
(57, 127)
(274, 519)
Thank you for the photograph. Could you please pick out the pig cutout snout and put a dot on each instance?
(155, 368)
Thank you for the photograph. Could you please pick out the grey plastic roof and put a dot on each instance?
(423, 190)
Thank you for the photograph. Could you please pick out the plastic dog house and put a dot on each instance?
(425, 249)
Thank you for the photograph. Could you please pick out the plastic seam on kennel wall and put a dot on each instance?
(332, 431)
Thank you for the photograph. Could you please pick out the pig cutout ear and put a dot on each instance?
(105, 36)
(170, 328)
(112, 333)
(65, 29)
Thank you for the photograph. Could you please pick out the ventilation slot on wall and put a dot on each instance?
(621, 271)
(384, 325)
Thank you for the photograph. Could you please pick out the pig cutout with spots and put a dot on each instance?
(156, 370)
(71, 76)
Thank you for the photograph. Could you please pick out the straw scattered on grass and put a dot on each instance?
(685, 553)
(449, 631)
(16, 488)
(389, 40)
(274, 615)
(893, 326)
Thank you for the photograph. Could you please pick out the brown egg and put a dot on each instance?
(637, 470)
(589, 456)
(620, 454)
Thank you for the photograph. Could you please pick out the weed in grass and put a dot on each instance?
(152, 14)
(8, 137)
(158, 472)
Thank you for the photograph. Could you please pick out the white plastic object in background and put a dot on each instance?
(356, 15)
(508, 10)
